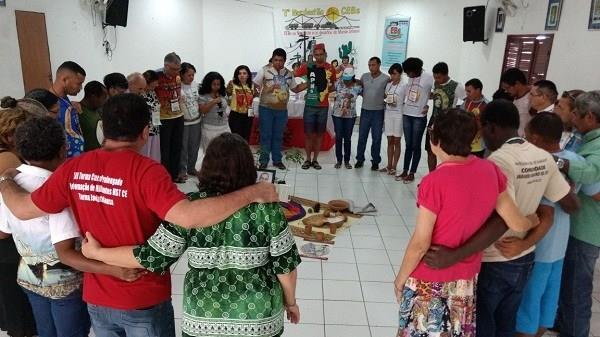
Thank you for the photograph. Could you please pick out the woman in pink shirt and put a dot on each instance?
(454, 202)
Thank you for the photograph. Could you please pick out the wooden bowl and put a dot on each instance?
(338, 205)
(316, 220)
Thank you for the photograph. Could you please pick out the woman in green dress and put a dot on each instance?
(242, 275)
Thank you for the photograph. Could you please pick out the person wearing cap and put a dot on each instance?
(344, 115)
(372, 113)
(320, 79)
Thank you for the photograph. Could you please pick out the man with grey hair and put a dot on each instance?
(168, 92)
(584, 243)
(137, 83)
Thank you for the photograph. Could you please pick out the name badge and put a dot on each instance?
(175, 106)
(390, 99)
(413, 95)
(250, 112)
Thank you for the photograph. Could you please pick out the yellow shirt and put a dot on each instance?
(240, 97)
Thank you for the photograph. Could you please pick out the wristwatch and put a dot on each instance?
(559, 162)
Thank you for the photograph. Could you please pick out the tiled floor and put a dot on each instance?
(351, 294)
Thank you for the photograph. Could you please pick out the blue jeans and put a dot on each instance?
(414, 127)
(60, 317)
(499, 292)
(158, 321)
(271, 125)
(343, 137)
(575, 303)
(370, 120)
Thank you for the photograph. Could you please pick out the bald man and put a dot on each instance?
(137, 83)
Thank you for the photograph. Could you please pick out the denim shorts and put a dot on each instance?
(315, 119)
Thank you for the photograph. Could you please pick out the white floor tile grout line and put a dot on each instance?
(362, 293)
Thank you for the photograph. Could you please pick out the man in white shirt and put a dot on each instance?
(514, 82)
(543, 95)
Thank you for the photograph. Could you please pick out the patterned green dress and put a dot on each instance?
(231, 288)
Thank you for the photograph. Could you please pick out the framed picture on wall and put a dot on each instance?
(500, 17)
(553, 14)
(594, 22)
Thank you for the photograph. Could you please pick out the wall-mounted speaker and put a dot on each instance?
(116, 13)
(474, 23)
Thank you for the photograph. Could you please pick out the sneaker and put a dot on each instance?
(359, 164)
(279, 166)
(338, 165)
(348, 166)
(375, 167)
(262, 166)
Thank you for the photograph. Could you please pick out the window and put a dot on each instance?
(530, 53)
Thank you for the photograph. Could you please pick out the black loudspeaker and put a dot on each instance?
(474, 23)
(116, 13)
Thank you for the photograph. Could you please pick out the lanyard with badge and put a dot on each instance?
(414, 93)
(390, 96)
(174, 98)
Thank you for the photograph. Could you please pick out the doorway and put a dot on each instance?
(33, 47)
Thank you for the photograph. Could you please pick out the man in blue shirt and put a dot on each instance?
(68, 82)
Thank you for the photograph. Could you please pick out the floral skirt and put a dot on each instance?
(438, 309)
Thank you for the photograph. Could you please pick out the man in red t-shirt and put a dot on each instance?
(320, 79)
(120, 197)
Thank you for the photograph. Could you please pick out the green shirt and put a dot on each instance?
(88, 120)
(231, 288)
(584, 223)
(587, 171)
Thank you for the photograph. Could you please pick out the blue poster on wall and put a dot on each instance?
(395, 40)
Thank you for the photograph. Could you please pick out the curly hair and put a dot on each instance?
(39, 139)
(10, 119)
(206, 87)
(228, 165)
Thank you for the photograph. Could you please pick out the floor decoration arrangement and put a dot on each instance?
(318, 223)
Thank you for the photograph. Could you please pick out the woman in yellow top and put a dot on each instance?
(241, 92)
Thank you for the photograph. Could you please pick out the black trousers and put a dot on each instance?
(171, 141)
(241, 124)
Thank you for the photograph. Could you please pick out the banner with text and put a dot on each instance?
(395, 40)
(337, 26)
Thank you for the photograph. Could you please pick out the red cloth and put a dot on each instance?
(324, 77)
(462, 195)
(120, 197)
(293, 135)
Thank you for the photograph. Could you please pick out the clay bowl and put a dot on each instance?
(338, 205)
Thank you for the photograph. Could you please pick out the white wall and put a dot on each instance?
(236, 33)
(436, 35)
(221, 34)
